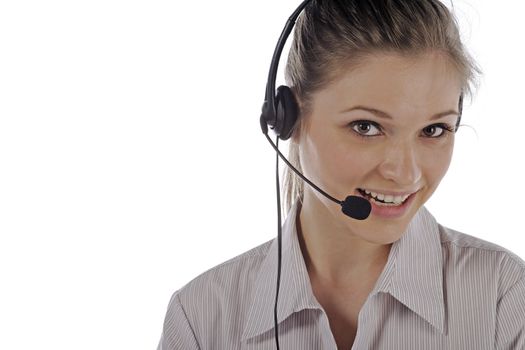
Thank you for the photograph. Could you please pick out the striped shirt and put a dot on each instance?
(440, 289)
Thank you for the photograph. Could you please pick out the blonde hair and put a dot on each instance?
(335, 35)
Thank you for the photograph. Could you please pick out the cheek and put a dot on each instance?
(436, 164)
(335, 163)
(346, 166)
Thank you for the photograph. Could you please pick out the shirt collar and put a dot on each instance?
(413, 275)
(414, 271)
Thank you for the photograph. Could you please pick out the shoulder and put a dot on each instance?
(494, 279)
(211, 309)
(477, 257)
(225, 286)
(227, 275)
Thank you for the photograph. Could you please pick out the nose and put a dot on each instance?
(401, 165)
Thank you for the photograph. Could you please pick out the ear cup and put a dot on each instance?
(287, 112)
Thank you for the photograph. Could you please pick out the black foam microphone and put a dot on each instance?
(356, 207)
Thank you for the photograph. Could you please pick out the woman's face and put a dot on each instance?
(381, 127)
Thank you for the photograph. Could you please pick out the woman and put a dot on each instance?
(379, 87)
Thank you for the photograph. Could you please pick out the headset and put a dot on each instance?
(280, 113)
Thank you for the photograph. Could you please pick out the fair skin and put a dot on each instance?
(344, 256)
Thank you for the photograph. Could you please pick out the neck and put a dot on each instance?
(332, 251)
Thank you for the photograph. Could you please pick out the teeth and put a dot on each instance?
(388, 198)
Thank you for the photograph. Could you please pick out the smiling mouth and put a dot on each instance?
(370, 197)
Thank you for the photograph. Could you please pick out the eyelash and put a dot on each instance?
(446, 128)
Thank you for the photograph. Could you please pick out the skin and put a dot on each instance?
(402, 156)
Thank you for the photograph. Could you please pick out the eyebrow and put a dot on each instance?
(385, 115)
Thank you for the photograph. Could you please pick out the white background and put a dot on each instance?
(131, 157)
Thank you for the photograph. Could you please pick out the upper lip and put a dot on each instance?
(403, 193)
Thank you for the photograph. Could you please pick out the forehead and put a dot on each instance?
(391, 79)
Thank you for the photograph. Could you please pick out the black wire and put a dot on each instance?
(276, 148)
(279, 241)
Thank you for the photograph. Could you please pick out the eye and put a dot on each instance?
(441, 129)
(364, 127)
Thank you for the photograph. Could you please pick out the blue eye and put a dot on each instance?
(363, 127)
